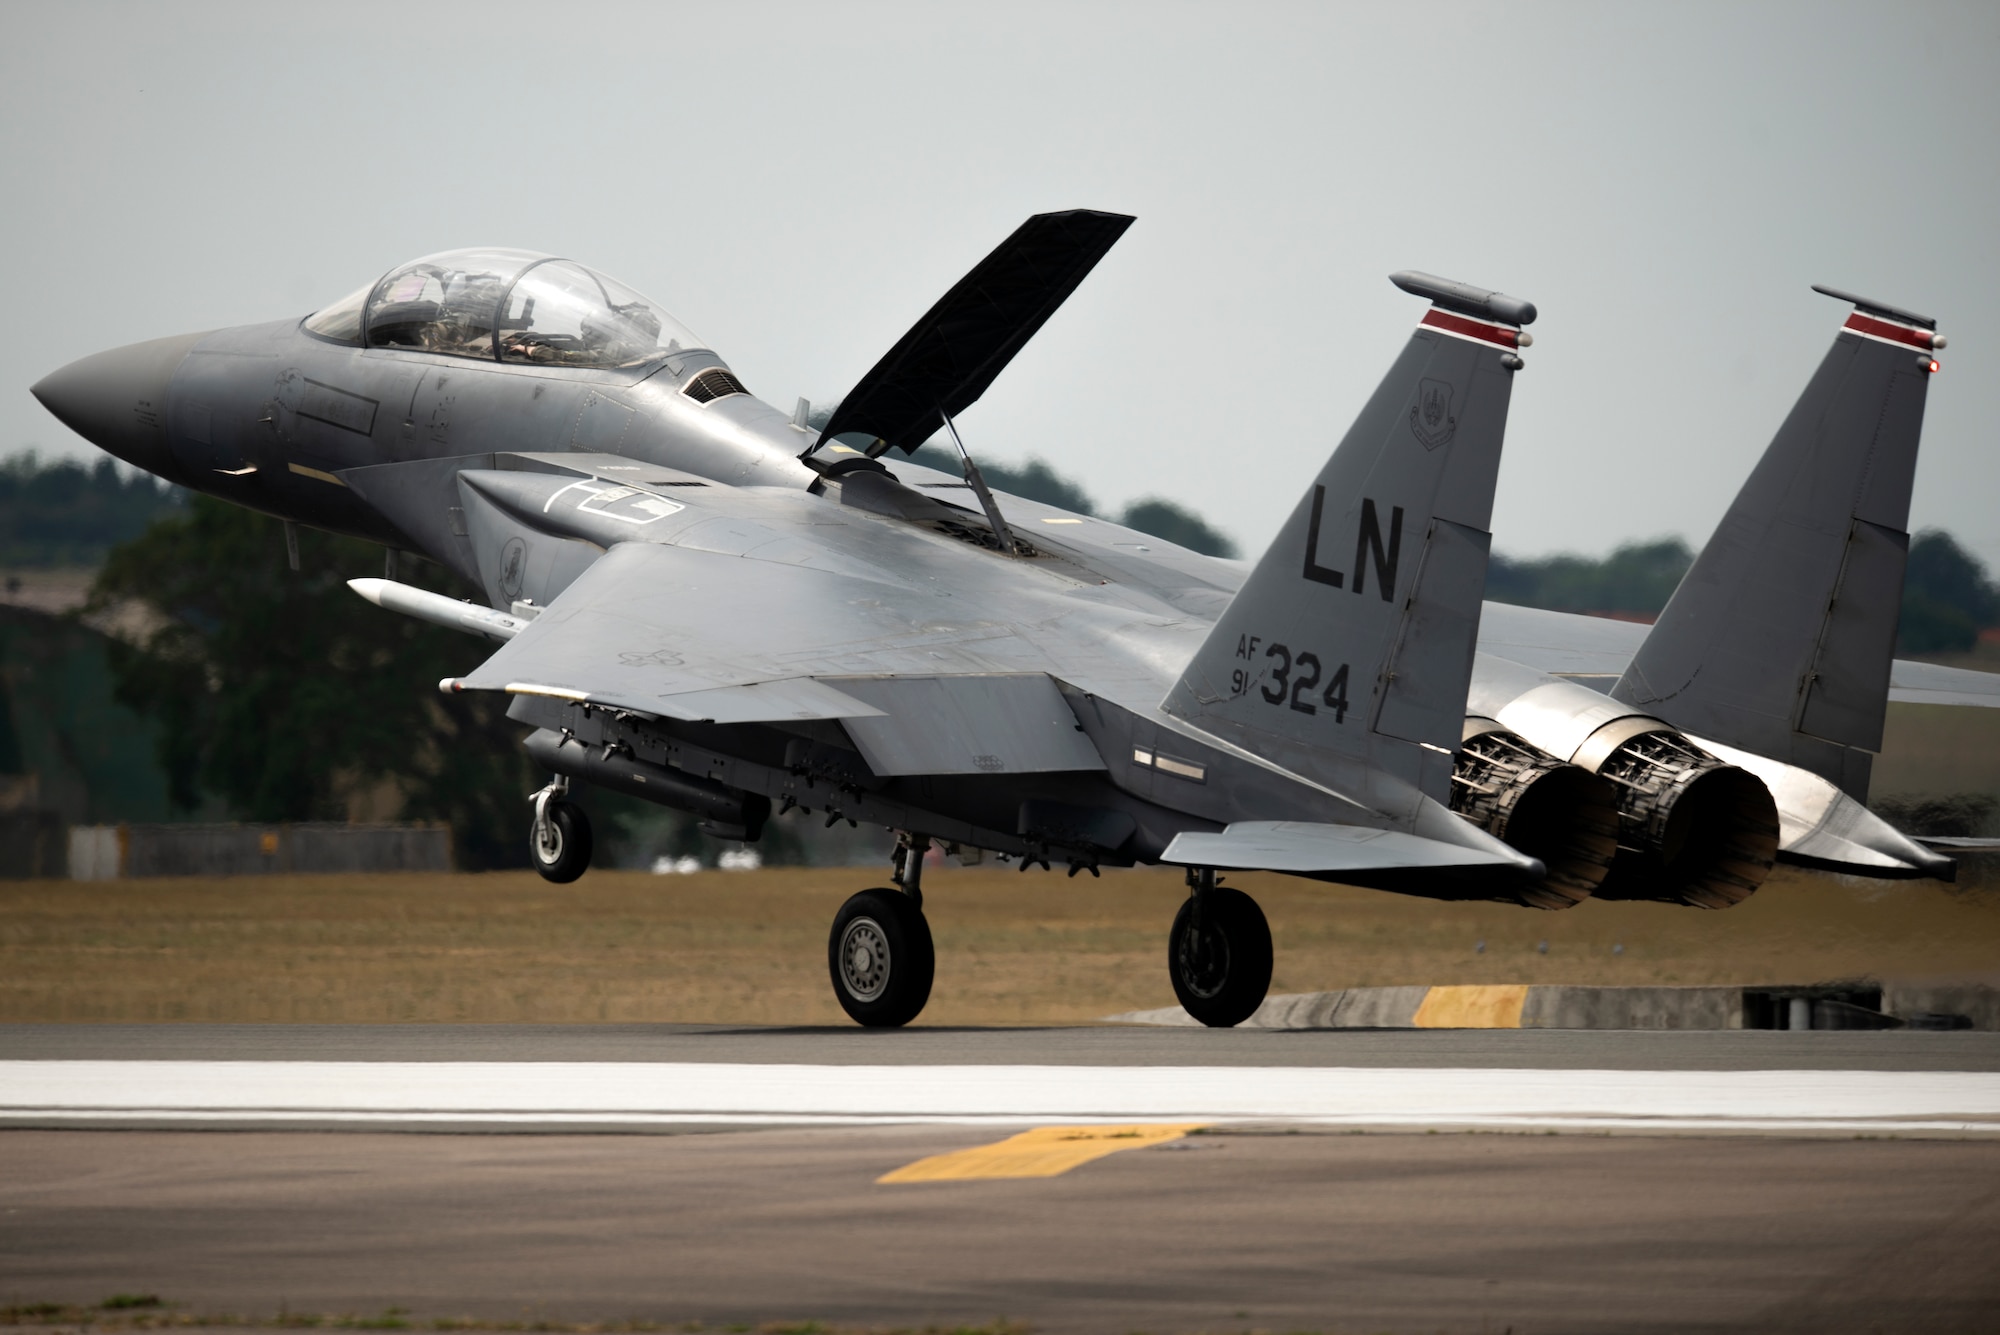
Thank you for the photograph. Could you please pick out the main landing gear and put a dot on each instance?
(559, 840)
(1219, 953)
(879, 951)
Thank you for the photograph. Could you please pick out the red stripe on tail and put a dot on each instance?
(1499, 335)
(1895, 333)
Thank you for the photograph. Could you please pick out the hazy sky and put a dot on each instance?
(798, 182)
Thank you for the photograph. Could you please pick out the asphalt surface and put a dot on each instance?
(1725, 1050)
(1233, 1229)
(1371, 1233)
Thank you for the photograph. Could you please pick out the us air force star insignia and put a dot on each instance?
(1431, 421)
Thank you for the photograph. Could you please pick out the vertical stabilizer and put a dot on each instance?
(1348, 651)
(1779, 639)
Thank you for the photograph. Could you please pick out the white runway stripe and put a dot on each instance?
(624, 1093)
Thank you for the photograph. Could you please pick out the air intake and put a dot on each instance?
(714, 383)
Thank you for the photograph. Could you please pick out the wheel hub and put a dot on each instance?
(1202, 955)
(548, 841)
(864, 959)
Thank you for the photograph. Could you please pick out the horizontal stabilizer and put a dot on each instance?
(1860, 853)
(1934, 684)
(1821, 826)
(1305, 848)
(1595, 650)
(950, 356)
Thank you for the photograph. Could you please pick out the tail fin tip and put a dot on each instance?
(1465, 298)
(1881, 308)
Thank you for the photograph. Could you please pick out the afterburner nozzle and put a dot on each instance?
(1557, 812)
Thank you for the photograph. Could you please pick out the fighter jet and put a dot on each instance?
(706, 604)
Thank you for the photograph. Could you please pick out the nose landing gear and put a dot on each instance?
(559, 839)
(1219, 953)
(879, 952)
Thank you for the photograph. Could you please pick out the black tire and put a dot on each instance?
(881, 959)
(566, 855)
(1221, 969)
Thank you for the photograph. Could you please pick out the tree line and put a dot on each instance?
(63, 513)
(1947, 596)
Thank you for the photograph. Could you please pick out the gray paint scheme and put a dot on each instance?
(940, 684)
(1011, 724)
(687, 578)
(1304, 848)
(678, 579)
(1780, 638)
(1775, 653)
(1373, 584)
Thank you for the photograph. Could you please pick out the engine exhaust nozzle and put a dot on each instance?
(1545, 807)
(1692, 829)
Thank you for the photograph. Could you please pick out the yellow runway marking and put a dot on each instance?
(1047, 1151)
(1492, 1007)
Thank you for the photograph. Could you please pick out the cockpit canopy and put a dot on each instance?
(505, 305)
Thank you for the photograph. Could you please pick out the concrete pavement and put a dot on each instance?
(1379, 1233)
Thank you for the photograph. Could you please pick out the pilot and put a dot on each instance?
(464, 324)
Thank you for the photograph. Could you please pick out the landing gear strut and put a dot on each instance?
(879, 951)
(559, 839)
(1219, 953)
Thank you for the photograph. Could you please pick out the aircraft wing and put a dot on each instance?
(1193, 583)
(1933, 684)
(1565, 644)
(921, 685)
(1559, 643)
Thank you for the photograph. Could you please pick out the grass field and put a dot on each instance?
(751, 946)
(1935, 750)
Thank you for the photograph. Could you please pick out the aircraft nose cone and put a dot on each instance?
(117, 400)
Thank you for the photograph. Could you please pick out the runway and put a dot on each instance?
(1215, 1233)
(1731, 1193)
(666, 1078)
(632, 1096)
(1089, 1045)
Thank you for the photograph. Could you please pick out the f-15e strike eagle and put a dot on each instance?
(705, 603)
